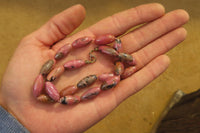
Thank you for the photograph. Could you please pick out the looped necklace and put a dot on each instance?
(124, 66)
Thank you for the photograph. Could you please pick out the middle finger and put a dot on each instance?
(140, 37)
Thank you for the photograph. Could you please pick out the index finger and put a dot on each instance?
(119, 23)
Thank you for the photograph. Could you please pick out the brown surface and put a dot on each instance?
(183, 117)
(138, 113)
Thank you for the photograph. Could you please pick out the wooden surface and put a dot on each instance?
(138, 113)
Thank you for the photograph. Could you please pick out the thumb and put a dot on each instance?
(60, 25)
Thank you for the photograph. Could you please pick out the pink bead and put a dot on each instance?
(44, 98)
(104, 39)
(91, 93)
(55, 73)
(108, 50)
(63, 51)
(119, 68)
(69, 90)
(113, 79)
(73, 64)
(52, 91)
(128, 72)
(105, 76)
(117, 45)
(131, 63)
(81, 42)
(69, 100)
(86, 81)
(110, 83)
(125, 57)
(47, 66)
(38, 85)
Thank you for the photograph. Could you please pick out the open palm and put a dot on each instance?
(147, 44)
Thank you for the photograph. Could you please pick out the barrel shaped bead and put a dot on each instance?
(69, 90)
(128, 72)
(86, 81)
(110, 83)
(91, 93)
(115, 79)
(105, 76)
(38, 85)
(44, 98)
(73, 64)
(47, 67)
(69, 100)
(108, 50)
(119, 68)
(106, 86)
(131, 63)
(117, 45)
(104, 39)
(55, 73)
(63, 51)
(125, 57)
(52, 91)
(81, 42)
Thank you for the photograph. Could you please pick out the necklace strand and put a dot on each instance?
(124, 66)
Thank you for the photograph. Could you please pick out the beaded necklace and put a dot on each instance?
(124, 66)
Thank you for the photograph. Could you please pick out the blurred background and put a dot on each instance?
(138, 113)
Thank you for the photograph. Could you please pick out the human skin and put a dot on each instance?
(147, 44)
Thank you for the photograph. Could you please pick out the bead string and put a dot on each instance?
(109, 45)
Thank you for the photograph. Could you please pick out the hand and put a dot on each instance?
(160, 33)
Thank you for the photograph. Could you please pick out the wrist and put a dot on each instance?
(9, 124)
(5, 106)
